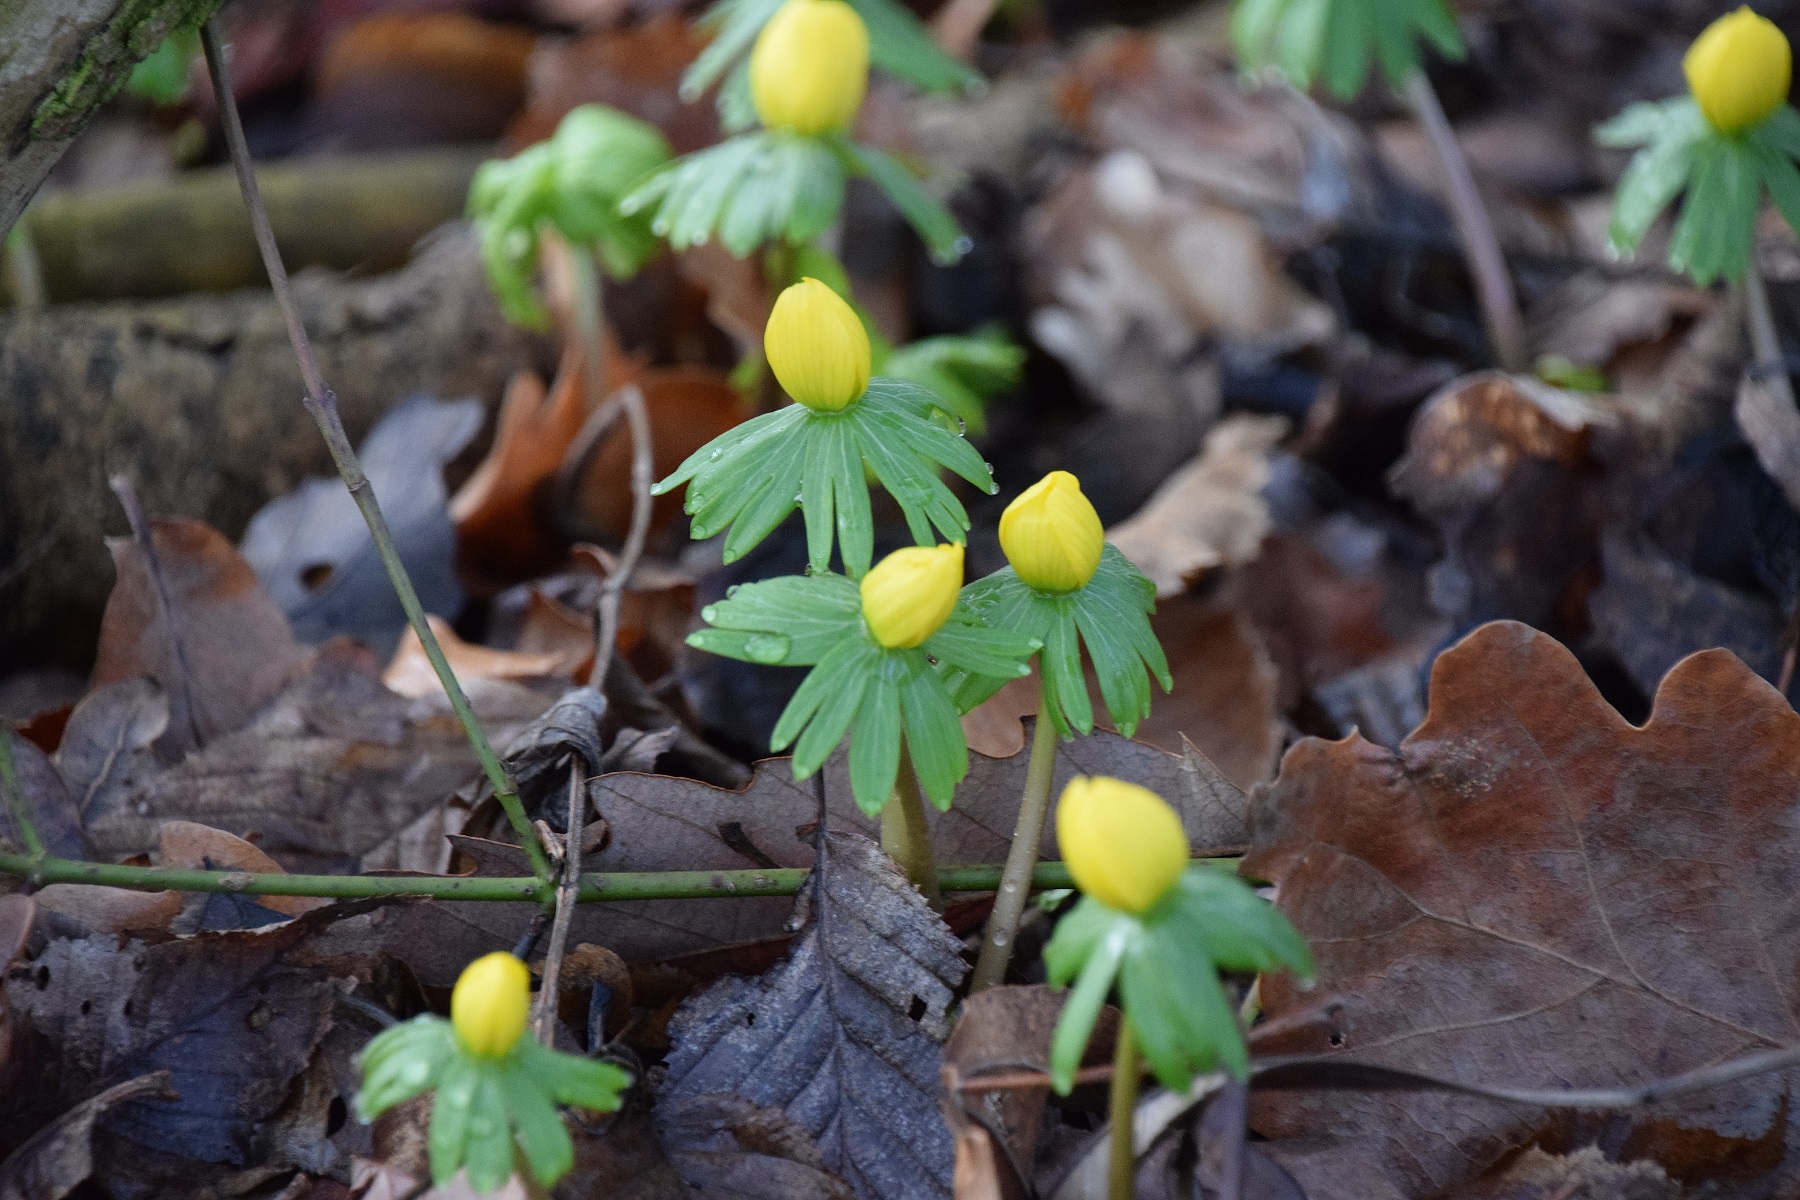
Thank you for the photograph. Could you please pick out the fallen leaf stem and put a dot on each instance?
(1121, 1107)
(1015, 881)
(1494, 290)
(568, 895)
(905, 836)
(15, 798)
(642, 885)
(321, 402)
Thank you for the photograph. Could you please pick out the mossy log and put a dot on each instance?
(197, 399)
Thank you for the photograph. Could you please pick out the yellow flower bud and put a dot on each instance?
(909, 594)
(1052, 535)
(810, 67)
(489, 1004)
(817, 347)
(1123, 843)
(1739, 70)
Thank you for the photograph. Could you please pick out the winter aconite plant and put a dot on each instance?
(1730, 140)
(571, 184)
(497, 1090)
(784, 183)
(1161, 929)
(813, 454)
(1065, 587)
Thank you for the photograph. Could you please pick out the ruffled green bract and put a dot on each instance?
(1722, 175)
(880, 698)
(1110, 616)
(486, 1107)
(747, 481)
(1167, 965)
(1339, 41)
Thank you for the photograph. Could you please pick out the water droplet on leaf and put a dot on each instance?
(766, 647)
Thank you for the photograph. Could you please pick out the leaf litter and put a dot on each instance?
(1259, 353)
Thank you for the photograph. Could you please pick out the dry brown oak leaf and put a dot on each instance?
(1533, 892)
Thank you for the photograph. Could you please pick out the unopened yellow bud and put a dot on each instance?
(810, 67)
(1052, 535)
(908, 596)
(817, 346)
(1739, 69)
(489, 1004)
(1123, 843)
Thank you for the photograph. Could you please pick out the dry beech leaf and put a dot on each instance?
(1533, 891)
(327, 774)
(1208, 514)
(635, 68)
(60, 1156)
(108, 741)
(1584, 1175)
(236, 650)
(724, 1145)
(843, 1036)
(501, 531)
(188, 845)
(410, 673)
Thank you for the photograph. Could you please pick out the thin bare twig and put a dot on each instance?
(1493, 285)
(184, 724)
(567, 897)
(322, 404)
(590, 318)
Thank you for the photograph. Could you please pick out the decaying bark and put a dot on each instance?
(197, 399)
(191, 233)
(59, 61)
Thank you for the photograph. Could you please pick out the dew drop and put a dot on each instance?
(709, 614)
(716, 455)
(799, 497)
(732, 590)
(766, 647)
(963, 245)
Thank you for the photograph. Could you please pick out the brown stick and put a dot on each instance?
(567, 897)
(322, 404)
(1493, 285)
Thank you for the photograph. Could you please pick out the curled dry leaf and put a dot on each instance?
(235, 649)
(1208, 514)
(1532, 890)
(410, 673)
(60, 1157)
(312, 548)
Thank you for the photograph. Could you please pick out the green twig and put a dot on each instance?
(15, 798)
(1122, 1162)
(905, 836)
(647, 885)
(1015, 883)
(322, 404)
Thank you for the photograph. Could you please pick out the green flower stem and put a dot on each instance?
(904, 835)
(1493, 285)
(1122, 1162)
(647, 885)
(15, 797)
(322, 404)
(1015, 880)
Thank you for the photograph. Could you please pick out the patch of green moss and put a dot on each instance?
(135, 31)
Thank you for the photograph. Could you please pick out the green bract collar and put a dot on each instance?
(750, 478)
(880, 697)
(1167, 965)
(1723, 175)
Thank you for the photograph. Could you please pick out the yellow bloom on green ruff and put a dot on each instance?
(1052, 535)
(908, 595)
(1739, 70)
(810, 67)
(490, 1003)
(1124, 845)
(817, 347)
